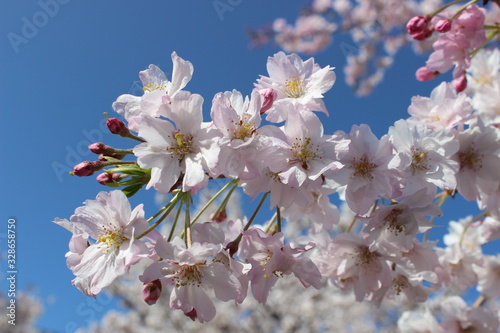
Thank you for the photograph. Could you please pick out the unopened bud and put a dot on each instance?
(443, 26)
(270, 96)
(86, 168)
(423, 35)
(425, 74)
(232, 248)
(192, 314)
(417, 24)
(219, 217)
(460, 83)
(109, 177)
(117, 156)
(98, 148)
(151, 292)
(116, 126)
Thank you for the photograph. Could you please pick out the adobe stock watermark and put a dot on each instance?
(79, 152)
(31, 25)
(89, 310)
(223, 6)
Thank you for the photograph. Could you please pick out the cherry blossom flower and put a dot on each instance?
(348, 263)
(297, 82)
(424, 157)
(392, 229)
(184, 150)
(460, 265)
(157, 91)
(444, 109)
(192, 271)
(458, 317)
(478, 157)
(484, 69)
(238, 121)
(271, 259)
(452, 48)
(305, 152)
(110, 221)
(365, 172)
(488, 275)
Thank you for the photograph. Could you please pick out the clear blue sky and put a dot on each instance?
(57, 80)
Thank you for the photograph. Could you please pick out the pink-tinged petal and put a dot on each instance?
(188, 298)
(208, 232)
(194, 177)
(186, 112)
(181, 74)
(261, 285)
(226, 286)
(223, 115)
(152, 76)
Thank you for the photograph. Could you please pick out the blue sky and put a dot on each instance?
(60, 75)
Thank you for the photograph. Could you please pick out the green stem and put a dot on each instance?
(161, 210)
(136, 138)
(353, 222)
(445, 7)
(187, 222)
(233, 182)
(464, 7)
(171, 206)
(174, 224)
(278, 215)
(226, 200)
(249, 223)
(268, 225)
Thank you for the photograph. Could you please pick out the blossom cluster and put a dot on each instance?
(379, 29)
(272, 144)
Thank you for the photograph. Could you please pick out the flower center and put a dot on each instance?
(243, 129)
(400, 283)
(304, 151)
(419, 159)
(189, 275)
(263, 257)
(470, 160)
(363, 167)
(152, 87)
(294, 87)
(392, 218)
(183, 145)
(364, 256)
(110, 239)
(484, 80)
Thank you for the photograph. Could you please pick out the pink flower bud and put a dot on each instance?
(220, 217)
(116, 126)
(98, 148)
(192, 314)
(151, 292)
(417, 24)
(270, 96)
(425, 74)
(443, 26)
(109, 177)
(104, 178)
(86, 168)
(460, 83)
(423, 35)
